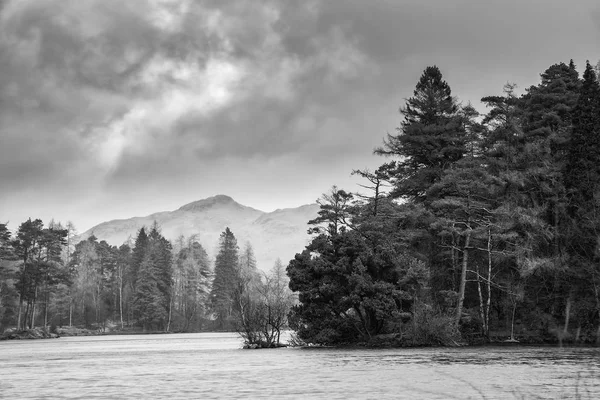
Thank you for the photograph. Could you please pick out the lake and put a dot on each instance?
(213, 365)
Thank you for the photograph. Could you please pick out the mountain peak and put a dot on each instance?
(279, 234)
(210, 202)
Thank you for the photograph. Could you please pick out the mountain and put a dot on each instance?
(278, 234)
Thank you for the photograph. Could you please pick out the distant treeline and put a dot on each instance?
(477, 227)
(148, 283)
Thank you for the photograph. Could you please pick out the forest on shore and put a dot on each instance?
(147, 284)
(476, 228)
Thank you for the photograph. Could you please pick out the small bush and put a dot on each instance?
(431, 327)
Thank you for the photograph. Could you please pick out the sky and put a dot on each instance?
(112, 109)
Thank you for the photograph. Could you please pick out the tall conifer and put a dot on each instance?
(431, 137)
(582, 173)
(226, 275)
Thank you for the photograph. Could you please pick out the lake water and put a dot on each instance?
(213, 365)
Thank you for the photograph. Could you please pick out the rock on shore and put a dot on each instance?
(36, 333)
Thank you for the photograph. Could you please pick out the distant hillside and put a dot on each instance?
(278, 234)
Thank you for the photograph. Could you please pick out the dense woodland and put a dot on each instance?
(476, 227)
(148, 284)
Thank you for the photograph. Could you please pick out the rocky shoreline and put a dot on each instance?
(44, 333)
(36, 333)
(65, 331)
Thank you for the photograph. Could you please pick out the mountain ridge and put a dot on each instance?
(277, 234)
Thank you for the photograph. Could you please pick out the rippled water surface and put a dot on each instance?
(210, 365)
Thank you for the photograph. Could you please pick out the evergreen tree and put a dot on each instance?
(39, 250)
(226, 277)
(582, 177)
(354, 283)
(511, 205)
(148, 300)
(582, 172)
(6, 249)
(548, 106)
(152, 300)
(463, 207)
(139, 250)
(546, 124)
(335, 210)
(7, 293)
(431, 137)
(164, 264)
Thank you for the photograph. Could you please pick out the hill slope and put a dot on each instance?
(278, 234)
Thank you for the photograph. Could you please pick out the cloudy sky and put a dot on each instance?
(112, 109)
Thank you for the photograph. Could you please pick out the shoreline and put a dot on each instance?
(41, 333)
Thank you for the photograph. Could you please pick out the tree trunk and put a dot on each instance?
(454, 263)
(598, 310)
(567, 317)
(512, 321)
(26, 318)
(97, 305)
(19, 312)
(489, 285)
(46, 309)
(46, 299)
(481, 308)
(463, 277)
(33, 308)
(121, 297)
(169, 320)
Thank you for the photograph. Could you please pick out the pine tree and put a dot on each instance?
(28, 249)
(431, 137)
(226, 276)
(139, 249)
(582, 172)
(6, 250)
(152, 301)
(163, 263)
(149, 302)
(547, 125)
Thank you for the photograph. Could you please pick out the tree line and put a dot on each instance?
(147, 283)
(476, 226)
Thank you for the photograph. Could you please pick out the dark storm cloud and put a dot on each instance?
(108, 95)
(468, 39)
